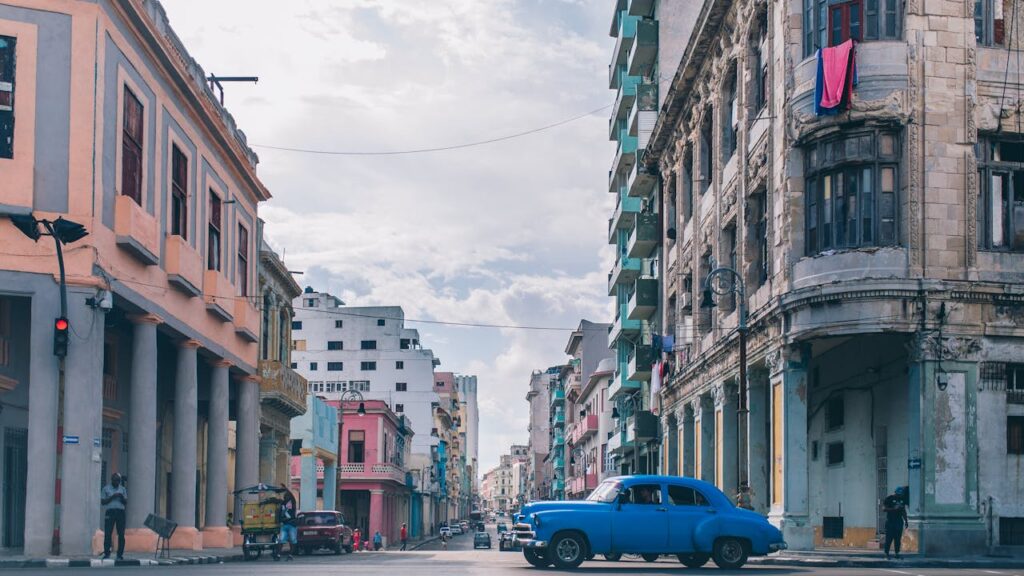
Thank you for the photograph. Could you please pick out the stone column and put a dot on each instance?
(759, 435)
(376, 513)
(330, 484)
(726, 445)
(216, 533)
(183, 457)
(789, 502)
(142, 433)
(268, 458)
(42, 425)
(247, 435)
(704, 439)
(686, 449)
(307, 480)
(81, 463)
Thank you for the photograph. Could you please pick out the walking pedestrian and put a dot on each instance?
(444, 541)
(289, 533)
(114, 498)
(895, 508)
(404, 535)
(378, 541)
(356, 537)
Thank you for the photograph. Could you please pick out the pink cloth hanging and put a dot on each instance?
(838, 66)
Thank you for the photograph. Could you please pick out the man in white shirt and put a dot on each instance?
(114, 499)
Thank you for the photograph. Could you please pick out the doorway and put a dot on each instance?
(15, 474)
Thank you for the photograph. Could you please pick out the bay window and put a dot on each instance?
(7, 53)
(832, 22)
(1000, 211)
(213, 234)
(131, 147)
(851, 192)
(243, 261)
(179, 192)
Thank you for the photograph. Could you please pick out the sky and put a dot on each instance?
(511, 233)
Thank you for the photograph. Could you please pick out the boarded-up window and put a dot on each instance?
(243, 260)
(131, 147)
(213, 235)
(7, 60)
(179, 192)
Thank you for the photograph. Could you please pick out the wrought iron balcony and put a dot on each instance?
(282, 387)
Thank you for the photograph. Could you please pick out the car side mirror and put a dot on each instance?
(623, 498)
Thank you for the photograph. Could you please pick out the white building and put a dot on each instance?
(369, 349)
(466, 385)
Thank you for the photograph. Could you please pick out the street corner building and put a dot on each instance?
(851, 212)
(106, 120)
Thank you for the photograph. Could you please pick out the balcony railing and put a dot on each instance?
(640, 365)
(282, 387)
(557, 396)
(367, 471)
(646, 234)
(644, 48)
(644, 300)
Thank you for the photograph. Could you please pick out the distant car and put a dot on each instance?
(502, 527)
(646, 515)
(323, 529)
(480, 527)
(446, 531)
(456, 529)
(481, 540)
(507, 543)
(465, 526)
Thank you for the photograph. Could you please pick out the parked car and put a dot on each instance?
(480, 527)
(507, 543)
(465, 526)
(445, 532)
(323, 529)
(456, 529)
(481, 540)
(646, 515)
(502, 527)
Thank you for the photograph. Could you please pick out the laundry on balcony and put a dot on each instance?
(837, 75)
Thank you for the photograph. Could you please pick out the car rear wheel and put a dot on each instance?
(536, 558)
(650, 557)
(694, 560)
(613, 557)
(567, 550)
(730, 553)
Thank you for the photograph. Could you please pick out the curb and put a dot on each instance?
(100, 563)
(1010, 564)
(418, 545)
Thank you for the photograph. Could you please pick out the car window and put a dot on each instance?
(319, 520)
(686, 496)
(606, 492)
(644, 494)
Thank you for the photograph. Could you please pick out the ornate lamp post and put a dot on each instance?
(722, 281)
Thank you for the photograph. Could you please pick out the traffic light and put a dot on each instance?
(60, 337)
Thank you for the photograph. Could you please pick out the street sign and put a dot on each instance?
(914, 463)
(70, 439)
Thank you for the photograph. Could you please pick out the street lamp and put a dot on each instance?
(721, 281)
(632, 401)
(354, 395)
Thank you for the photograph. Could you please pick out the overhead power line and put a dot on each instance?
(436, 148)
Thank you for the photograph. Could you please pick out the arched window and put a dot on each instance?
(266, 327)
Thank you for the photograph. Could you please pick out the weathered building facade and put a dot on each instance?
(881, 261)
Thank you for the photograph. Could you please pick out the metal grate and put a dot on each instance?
(1011, 531)
(832, 527)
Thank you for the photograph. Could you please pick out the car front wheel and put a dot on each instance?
(649, 557)
(568, 550)
(613, 557)
(730, 553)
(694, 560)
(536, 558)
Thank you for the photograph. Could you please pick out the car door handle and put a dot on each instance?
(661, 509)
(711, 511)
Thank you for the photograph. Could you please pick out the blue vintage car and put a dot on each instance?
(647, 515)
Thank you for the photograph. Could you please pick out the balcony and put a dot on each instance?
(621, 385)
(643, 114)
(619, 444)
(641, 182)
(622, 163)
(627, 27)
(641, 427)
(558, 463)
(622, 326)
(639, 368)
(557, 397)
(587, 427)
(282, 388)
(184, 265)
(219, 295)
(247, 320)
(644, 300)
(646, 235)
(558, 485)
(626, 270)
(623, 217)
(558, 418)
(641, 7)
(624, 100)
(135, 230)
(557, 439)
(363, 471)
(643, 49)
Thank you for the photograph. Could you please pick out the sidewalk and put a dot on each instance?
(177, 557)
(876, 559)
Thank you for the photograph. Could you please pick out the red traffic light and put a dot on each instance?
(61, 324)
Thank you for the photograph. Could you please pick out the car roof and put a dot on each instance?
(707, 488)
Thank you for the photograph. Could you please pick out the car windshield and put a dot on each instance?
(319, 520)
(606, 492)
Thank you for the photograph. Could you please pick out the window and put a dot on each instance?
(686, 183)
(339, 323)
(439, 383)
(7, 60)
(356, 445)
(380, 322)
(312, 365)
(644, 494)
(835, 412)
(310, 302)
(5, 332)
(671, 214)
(989, 26)
(401, 386)
(329, 386)
(179, 192)
(213, 234)
(834, 453)
(403, 343)
(759, 63)
(1000, 213)
(1011, 531)
(730, 116)
(685, 496)
(359, 385)
(316, 386)
(399, 365)
(832, 527)
(335, 366)
(131, 147)
(760, 205)
(832, 22)
(851, 192)
(295, 365)
(243, 261)
(299, 345)
(433, 432)
(706, 148)
(367, 366)
(1015, 434)
(368, 345)
(335, 345)
(399, 408)
(296, 324)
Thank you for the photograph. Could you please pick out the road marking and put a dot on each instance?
(898, 572)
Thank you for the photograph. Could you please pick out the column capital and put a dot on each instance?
(221, 363)
(147, 318)
(253, 378)
(189, 343)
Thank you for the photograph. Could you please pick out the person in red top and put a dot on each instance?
(404, 534)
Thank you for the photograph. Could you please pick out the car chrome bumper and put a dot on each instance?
(775, 547)
(529, 543)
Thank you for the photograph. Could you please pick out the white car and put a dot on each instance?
(456, 530)
(446, 532)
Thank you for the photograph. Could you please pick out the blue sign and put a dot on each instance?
(914, 463)
(70, 439)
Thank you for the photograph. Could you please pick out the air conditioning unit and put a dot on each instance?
(686, 302)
